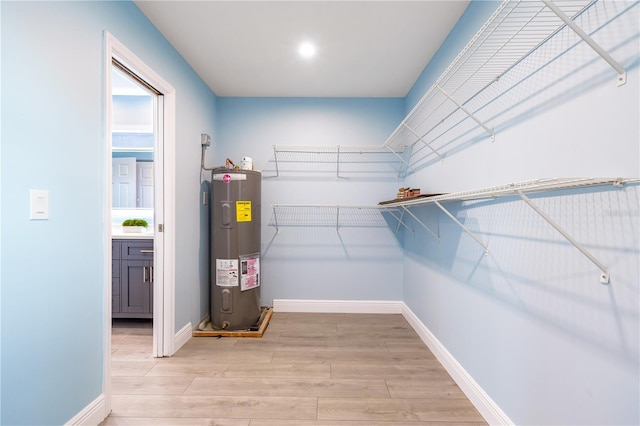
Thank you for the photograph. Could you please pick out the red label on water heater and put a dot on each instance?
(227, 177)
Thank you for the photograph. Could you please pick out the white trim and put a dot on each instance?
(478, 397)
(164, 295)
(183, 336)
(107, 293)
(92, 414)
(338, 306)
(169, 221)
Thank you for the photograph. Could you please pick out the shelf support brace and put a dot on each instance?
(464, 228)
(338, 162)
(275, 158)
(401, 159)
(421, 223)
(604, 275)
(466, 111)
(399, 219)
(423, 141)
(338, 219)
(275, 219)
(622, 74)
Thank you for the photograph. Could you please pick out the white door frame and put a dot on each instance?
(164, 211)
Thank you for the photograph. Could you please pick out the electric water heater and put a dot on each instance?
(235, 248)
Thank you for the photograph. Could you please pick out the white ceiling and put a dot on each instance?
(249, 48)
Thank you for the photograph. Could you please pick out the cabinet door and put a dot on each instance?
(115, 276)
(115, 294)
(136, 288)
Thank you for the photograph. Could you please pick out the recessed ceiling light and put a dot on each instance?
(307, 50)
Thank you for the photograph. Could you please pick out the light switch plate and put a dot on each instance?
(39, 204)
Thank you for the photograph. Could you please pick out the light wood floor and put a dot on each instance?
(307, 369)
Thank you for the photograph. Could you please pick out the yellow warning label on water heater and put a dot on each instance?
(243, 211)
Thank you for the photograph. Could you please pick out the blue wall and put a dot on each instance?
(531, 322)
(312, 262)
(53, 139)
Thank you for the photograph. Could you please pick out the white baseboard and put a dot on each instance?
(478, 397)
(182, 336)
(338, 306)
(92, 414)
(96, 411)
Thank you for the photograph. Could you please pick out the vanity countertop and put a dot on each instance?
(118, 234)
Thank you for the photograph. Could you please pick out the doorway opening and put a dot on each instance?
(135, 121)
(154, 200)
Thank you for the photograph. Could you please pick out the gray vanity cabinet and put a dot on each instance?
(115, 276)
(132, 279)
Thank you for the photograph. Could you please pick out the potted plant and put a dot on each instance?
(134, 225)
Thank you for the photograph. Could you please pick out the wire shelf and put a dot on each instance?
(338, 160)
(531, 186)
(334, 216)
(512, 66)
(519, 189)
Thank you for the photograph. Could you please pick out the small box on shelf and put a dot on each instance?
(407, 193)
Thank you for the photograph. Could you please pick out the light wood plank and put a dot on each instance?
(159, 385)
(281, 422)
(173, 421)
(230, 356)
(288, 387)
(308, 327)
(310, 344)
(408, 346)
(433, 410)
(428, 372)
(371, 335)
(349, 357)
(212, 406)
(235, 371)
(213, 343)
(134, 354)
(132, 367)
(444, 387)
(310, 317)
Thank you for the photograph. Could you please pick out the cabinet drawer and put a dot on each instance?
(139, 250)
